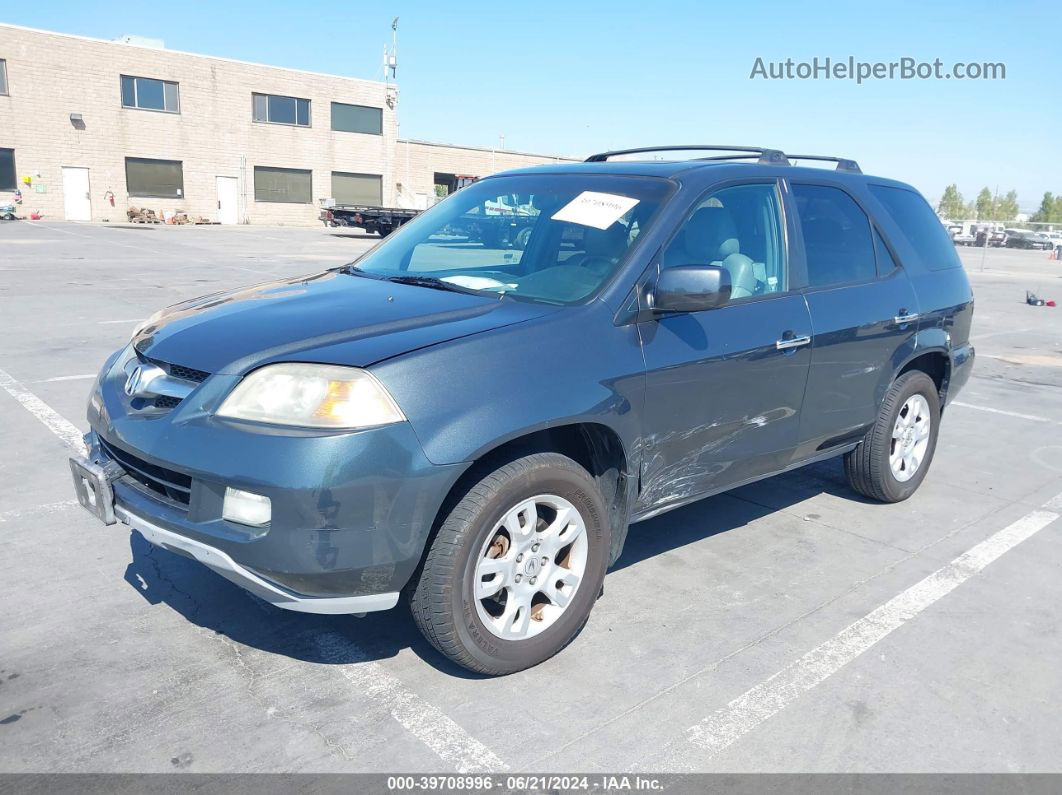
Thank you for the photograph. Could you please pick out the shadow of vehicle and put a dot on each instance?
(208, 600)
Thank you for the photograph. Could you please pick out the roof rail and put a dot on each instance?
(772, 156)
(843, 164)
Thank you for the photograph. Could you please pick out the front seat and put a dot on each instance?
(711, 239)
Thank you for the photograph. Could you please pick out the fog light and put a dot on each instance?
(246, 508)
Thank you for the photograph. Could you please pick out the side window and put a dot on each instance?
(837, 239)
(919, 225)
(886, 264)
(739, 229)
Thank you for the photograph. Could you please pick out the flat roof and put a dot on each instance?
(566, 158)
(193, 54)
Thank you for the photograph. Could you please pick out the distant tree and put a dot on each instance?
(1007, 207)
(951, 206)
(1047, 209)
(985, 206)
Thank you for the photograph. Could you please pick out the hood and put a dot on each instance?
(359, 321)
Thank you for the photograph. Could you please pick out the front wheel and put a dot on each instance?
(892, 460)
(516, 566)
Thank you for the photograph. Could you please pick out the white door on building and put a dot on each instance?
(228, 200)
(76, 198)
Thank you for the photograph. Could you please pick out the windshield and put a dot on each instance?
(554, 238)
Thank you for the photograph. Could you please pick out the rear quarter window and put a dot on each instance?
(920, 226)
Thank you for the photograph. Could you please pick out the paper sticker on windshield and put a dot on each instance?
(599, 210)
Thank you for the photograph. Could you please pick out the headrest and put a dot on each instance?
(711, 234)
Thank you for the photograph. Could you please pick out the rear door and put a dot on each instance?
(864, 316)
(724, 386)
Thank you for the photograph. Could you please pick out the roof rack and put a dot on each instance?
(843, 164)
(758, 153)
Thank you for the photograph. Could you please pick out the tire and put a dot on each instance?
(472, 535)
(869, 467)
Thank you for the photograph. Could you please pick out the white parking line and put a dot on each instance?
(1016, 414)
(55, 422)
(732, 722)
(427, 723)
(80, 377)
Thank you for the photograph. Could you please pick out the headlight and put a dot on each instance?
(312, 396)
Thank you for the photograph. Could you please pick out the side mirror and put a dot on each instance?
(691, 288)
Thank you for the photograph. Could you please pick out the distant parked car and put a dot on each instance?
(1023, 238)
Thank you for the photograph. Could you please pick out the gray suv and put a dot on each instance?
(473, 413)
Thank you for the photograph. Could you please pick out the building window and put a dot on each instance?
(275, 109)
(357, 118)
(162, 179)
(148, 94)
(3, 76)
(7, 169)
(289, 185)
(357, 188)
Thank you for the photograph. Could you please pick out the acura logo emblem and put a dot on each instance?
(140, 378)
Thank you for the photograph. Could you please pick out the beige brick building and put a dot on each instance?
(86, 122)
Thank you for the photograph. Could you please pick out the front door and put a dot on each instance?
(864, 311)
(76, 197)
(724, 387)
(228, 200)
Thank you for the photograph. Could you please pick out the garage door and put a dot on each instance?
(357, 188)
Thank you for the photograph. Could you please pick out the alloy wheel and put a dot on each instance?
(530, 566)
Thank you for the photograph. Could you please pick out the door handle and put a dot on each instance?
(786, 343)
(903, 318)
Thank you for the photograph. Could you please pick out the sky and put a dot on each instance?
(578, 77)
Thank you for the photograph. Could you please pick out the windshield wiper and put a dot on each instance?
(354, 270)
(434, 283)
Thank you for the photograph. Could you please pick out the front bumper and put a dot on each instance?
(247, 579)
(347, 546)
(351, 511)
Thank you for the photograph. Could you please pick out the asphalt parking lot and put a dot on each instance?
(785, 627)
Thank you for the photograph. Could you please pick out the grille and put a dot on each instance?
(173, 486)
(166, 402)
(187, 373)
(178, 370)
(174, 371)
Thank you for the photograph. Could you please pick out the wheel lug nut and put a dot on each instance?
(532, 580)
(519, 557)
(518, 578)
(534, 547)
(545, 560)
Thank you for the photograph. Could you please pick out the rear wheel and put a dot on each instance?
(892, 460)
(516, 566)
